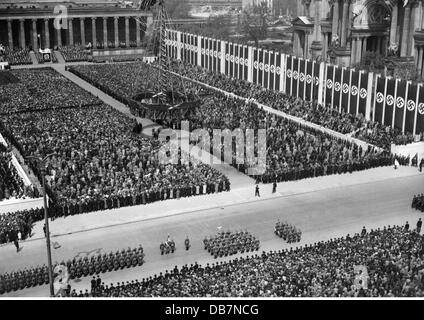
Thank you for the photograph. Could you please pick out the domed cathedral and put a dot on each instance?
(342, 31)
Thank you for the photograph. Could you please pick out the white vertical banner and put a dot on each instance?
(350, 89)
(321, 82)
(375, 94)
(179, 45)
(419, 88)
(250, 65)
(199, 50)
(222, 67)
(394, 104)
(384, 103)
(283, 73)
(406, 104)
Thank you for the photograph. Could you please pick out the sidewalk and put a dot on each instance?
(160, 209)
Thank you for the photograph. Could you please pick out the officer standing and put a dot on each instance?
(257, 191)
(162, 248)
(419, 225)
(274, 187)
(187, 243)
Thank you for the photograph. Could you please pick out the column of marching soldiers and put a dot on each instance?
(222, 244)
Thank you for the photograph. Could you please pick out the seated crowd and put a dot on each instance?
(100, 163)
(17, 56)
(40, 89)
(227, 243)
(287, 232)
(390, 259)
(293, 152)
(73, 53)
(381, 136)
(418, 202)
(11, 184)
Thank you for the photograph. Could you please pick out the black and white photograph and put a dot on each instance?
(211, 150)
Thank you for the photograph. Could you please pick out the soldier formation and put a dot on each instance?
(167, 247)
(418, 202)
(229, 243)
(288, 232)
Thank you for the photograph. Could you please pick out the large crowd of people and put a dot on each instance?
(11, 183)
(18, 224)
(16, 56)
(343, 122)
(40, 89)
(293, 151)
(386, 262)
(100, 163)
(73, 53)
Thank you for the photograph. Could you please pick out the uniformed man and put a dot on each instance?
(187, 243)
(419, 224)
(162, 248)
(257, 191)
(274, 187)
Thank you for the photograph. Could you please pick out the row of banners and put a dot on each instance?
(393, 102)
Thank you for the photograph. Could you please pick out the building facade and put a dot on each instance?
(342, 31)
(52, 26)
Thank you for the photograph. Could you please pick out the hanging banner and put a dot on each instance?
(309, 80)
(337, 88)
(202, 52)
(240, 61)
(295, 77)
(255, 65)
(346, 89)
(227, 59)
(399, 108)
(419, 127)
(272, 56)
(379, 99)
(329, 86)
(302, 78)
(277, 71)
(210, 46)
(354, 92)
(390, 101)
(219, 56)
(363, 93)
(289, 71)
(266, 69)
(316, 81)
(214, 56)
(261, 67)
(231, 61)
(411, 105)
(236, 61)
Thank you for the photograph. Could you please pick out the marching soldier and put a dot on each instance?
(162, 248)
(187, 243)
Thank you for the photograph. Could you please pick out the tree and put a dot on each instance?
(255, 21)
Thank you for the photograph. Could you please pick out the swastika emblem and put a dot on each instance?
(302, 77)
(345, 88)
(261, 65)
(295, 75)
(308, 78)
(219, 55)
(241, 61)
(207, 52)
(278, 70)
(215, 54)
(289, 73)
(354, 90)
(232, 58)
(363, 93)
(272, 69)
(255, 64)
(421, 108)
(227, 57)
(316, 81)
(329, 83)
(337, 86)
(390, 100)
(203, 51)
(400, 102)
(267, 67)
(411, 105)
(380, 97)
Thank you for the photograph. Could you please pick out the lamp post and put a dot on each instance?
(42, 161)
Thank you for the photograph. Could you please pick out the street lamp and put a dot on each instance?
(46, 218)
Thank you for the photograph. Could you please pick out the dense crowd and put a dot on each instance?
(19, 224)
(73, 53)
(287, 232)
(17, 56)
(293, 151)
(227, 243)
(40, 89)
(418, 202)
(381, 136)
(11, 184)
(385, 262)
(99, 163)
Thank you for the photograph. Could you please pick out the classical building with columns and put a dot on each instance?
(105, 26)
(342, 31)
